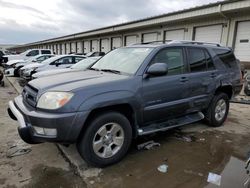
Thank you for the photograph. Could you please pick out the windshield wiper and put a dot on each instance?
(111, 70)
(95, 69)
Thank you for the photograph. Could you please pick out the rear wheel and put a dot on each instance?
(217, 111)
(106, 140)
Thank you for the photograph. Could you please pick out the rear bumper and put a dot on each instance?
(237, 89)
(67, 125)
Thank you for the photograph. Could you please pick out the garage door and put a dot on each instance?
(63, 48)
(116, 42)
(242, 42)
(79, 47)
(149, 37)
(67, 48)
(94, 46)
(105, 45)
(175, 34)
(58, 46)
(86, 45)
(209, 33)
(73, 47)
(129, 40)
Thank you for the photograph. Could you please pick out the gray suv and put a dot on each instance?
(130, 92)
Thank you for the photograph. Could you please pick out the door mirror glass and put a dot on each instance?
(158, 69)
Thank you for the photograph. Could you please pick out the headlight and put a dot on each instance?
(54, 100)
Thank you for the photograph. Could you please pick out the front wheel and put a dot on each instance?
(106, 140)
(217, 111)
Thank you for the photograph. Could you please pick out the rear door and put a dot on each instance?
(201, 78)
(164, 96)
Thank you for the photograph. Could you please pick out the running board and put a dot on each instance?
(184, 120)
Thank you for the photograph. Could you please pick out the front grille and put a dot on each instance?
(29, 95)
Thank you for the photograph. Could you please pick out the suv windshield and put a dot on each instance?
(124, 60)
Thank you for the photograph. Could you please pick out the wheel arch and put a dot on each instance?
(125, 109)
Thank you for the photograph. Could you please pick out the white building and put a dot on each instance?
(226, 22)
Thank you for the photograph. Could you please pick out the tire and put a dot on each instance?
(100, 156)
(16, 72)
(212, 118)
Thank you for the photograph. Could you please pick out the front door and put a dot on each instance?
(165, 96)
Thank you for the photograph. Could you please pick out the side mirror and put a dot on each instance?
(158, 69)
(57, 64)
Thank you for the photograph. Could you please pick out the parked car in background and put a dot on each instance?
(1, 57)
(12, 67)
(57, 62)
(247, 84)
(80, 66)
(27, 54)
(94, 54)
(131, 91)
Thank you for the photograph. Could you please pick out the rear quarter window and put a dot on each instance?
(227, 57)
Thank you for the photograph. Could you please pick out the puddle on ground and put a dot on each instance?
(189, 163)
(50, 177)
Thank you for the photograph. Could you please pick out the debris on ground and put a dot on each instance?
(163, 168)
(193, 173)
(184, 138)
(214, 178)
(148, 145)
(19, 152)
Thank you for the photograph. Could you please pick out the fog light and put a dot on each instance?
(45, 131)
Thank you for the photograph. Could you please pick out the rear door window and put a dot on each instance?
(77, 59)
(197, 60)
(46, 52)
(65, 60)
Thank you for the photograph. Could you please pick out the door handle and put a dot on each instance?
(213, 75)
(184, 79)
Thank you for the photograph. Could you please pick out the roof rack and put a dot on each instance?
(194, 42)
(182, 42)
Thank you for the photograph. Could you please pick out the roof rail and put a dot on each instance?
(182, 42)
(194, 42)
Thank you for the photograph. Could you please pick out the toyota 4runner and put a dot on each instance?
(131, 91)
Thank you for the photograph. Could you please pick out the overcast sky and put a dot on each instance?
(23, 21)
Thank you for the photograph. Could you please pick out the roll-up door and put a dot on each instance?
(94, 46)
(178, 34)
(105, 45)
(149, 37)
(242, 41)
(79, 47)
(211, 33)
(67, 48)
(86, 46)
(73, 47)
(116, 42)
(131, 39)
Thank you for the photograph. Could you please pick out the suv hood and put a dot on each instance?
(74, 80)
(52, 72)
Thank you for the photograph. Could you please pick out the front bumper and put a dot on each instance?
(26, 74)
(67, 125)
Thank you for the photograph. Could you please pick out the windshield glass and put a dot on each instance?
(83, 64)
(48, 61)
(124, 60)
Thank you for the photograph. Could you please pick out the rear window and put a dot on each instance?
(46, 52)
(226, 56)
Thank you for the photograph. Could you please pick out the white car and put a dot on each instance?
(27, 54)
(81, 65)
(57, 62)
(12, 67)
